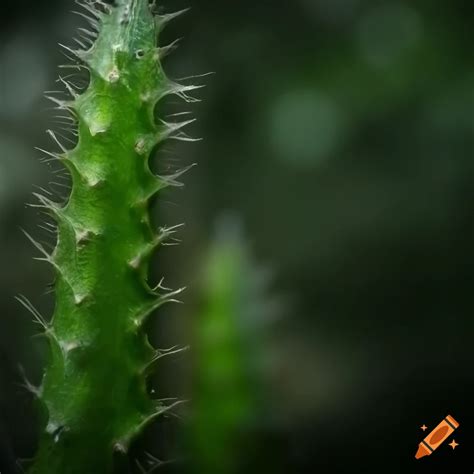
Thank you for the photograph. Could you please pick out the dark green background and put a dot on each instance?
(342, 133)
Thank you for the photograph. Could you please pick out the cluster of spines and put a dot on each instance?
(111, 52)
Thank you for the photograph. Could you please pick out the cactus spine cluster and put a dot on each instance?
(94, 388)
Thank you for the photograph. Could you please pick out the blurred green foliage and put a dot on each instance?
(227, 368)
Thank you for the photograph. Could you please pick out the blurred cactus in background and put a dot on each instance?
(228, 347)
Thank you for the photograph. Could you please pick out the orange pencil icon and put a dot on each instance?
(437, 437)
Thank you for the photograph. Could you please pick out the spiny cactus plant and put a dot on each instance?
(94, 389)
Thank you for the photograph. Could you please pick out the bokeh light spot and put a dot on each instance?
(387, 32)
(306, 127)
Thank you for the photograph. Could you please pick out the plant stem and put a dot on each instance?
(94, 389)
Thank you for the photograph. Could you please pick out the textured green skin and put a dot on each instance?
(94, 388)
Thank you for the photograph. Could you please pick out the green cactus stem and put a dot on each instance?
(94, 388)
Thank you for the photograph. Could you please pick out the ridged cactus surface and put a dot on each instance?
(94, 390)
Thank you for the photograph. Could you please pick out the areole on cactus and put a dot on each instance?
(94, 388)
